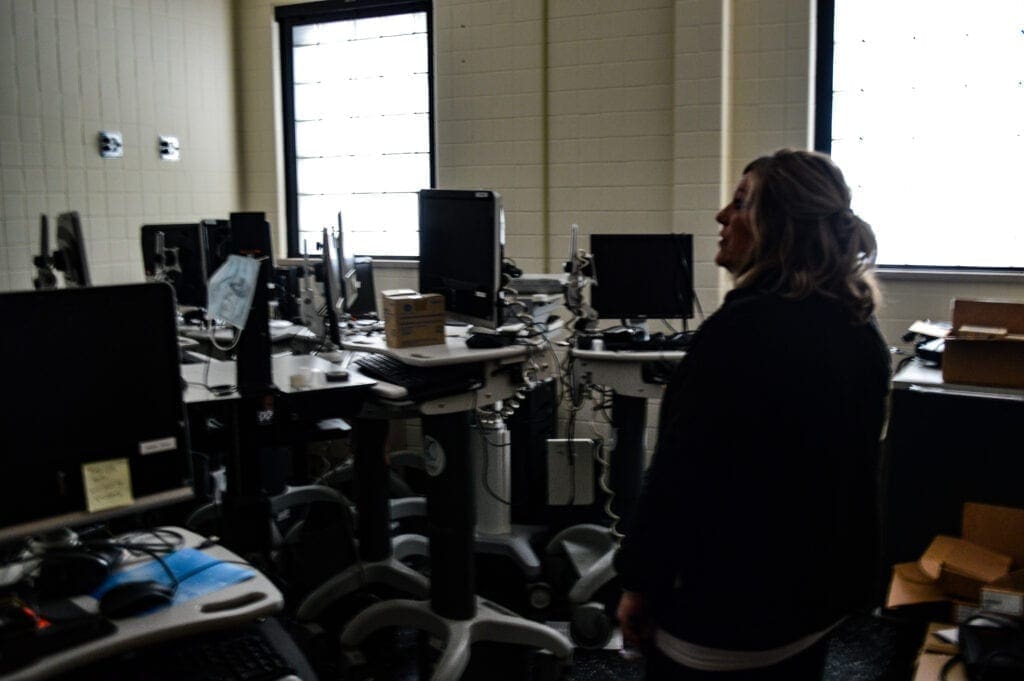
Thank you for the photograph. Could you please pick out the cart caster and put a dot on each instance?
(539, 595)
(590, 627)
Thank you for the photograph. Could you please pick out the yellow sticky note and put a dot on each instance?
(108, 484)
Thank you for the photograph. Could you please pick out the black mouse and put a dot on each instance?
(133, 598)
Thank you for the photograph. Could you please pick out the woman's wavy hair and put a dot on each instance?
(806, 238)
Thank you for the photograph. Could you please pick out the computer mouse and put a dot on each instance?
(134, 598)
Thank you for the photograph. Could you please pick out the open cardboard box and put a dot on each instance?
(986, 346)
(960, 569)
(935, 654)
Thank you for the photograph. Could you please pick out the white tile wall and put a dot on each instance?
(69, 69)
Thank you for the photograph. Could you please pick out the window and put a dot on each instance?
(921, 103)
(358, 128)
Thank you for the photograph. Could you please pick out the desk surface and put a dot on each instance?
(220, 372)
(915, 375)
(629, 355)
(230, 606)
(453, 351)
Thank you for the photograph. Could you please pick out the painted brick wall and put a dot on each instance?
(70, 69)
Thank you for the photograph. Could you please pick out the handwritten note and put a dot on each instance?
(108, 484)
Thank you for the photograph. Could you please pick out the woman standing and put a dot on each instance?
(756, 530)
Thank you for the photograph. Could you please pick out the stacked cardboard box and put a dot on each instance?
(986, 346)
(980, 570)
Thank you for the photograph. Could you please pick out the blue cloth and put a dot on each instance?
(197, 572)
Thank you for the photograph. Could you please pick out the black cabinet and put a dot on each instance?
(946, 445)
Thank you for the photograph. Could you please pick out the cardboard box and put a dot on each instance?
(930, 668)
(1000, 528)
(992, 357)
(958, 569)
(412, 319)
(1005, 595)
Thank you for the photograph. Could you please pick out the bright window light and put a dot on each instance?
(927, 123)
(362, 140)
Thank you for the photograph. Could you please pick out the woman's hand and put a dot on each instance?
(634, 619)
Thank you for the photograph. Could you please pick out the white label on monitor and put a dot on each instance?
(164, 444)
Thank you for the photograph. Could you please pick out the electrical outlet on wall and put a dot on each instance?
(110, 143)
(170, 150)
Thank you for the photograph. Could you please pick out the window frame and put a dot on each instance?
(290, 16)
(823, 94)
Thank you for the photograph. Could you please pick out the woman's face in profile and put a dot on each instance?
(737, 237)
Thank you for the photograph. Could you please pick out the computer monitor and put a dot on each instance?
(70, 256)
(177, 254)
(116, 399)
(642, 276)
(347, 275)
(365, 304)
(332, 285)
(462, 237)
(218, 243)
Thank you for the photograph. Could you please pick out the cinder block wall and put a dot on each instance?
(71, 69)
(624, 115)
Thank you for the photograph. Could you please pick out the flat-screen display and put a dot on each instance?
(462, 235)
(71, 251)
(348, 277)
(177, 254)
(642, 276)
(97, 426)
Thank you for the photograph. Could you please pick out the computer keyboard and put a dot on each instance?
(422, 383)
(243, 656)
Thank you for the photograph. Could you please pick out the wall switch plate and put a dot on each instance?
(110, 143)
(170, 150)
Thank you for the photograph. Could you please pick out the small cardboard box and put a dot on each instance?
(412, 319)
(986, 346)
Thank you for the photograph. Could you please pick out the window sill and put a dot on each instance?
(950, 275)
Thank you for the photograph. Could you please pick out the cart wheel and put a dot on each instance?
(590, 627)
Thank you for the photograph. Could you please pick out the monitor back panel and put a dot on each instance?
(92, 375)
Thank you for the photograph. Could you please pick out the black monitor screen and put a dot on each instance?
(348, 277)
(461, 240)
(91, 405)
(71, 247)
(181, 262)
(642, 276)
(218, 243)
(366, 300)
(332, 284)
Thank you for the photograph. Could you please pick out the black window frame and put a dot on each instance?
(290, 16)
